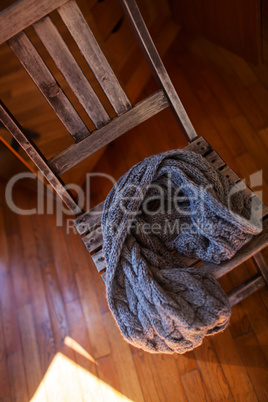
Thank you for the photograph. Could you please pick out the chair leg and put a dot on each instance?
(261, 265)
(15, 145)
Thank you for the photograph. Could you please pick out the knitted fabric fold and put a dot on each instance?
(171, 205)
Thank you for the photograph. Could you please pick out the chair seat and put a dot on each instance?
(88, 225)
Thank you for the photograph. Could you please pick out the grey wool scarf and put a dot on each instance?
(171, 205)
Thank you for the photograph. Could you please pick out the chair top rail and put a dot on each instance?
(67, 65)
(40, 74)
(143, 36)
(90, 49)
(23, 13)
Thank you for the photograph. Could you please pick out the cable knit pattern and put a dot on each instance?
(171, 205)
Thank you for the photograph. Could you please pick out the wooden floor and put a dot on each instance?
(58, 340)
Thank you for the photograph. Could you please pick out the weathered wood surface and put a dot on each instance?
(99, 260)
(39, 160)
(143, 36)
(84, 223)
(261, 265)
(245, 289)
(21, 14)
(228, 172)
(89, 47)
(215, 160)
(199, 146)
(93, 240)
(66, 63)
(40, 74)
(142, 111)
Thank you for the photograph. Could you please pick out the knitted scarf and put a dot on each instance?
(171, 205)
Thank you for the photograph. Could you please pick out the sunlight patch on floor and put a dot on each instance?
(78, 348)
(67, 381)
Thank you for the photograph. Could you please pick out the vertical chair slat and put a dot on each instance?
(69, 68)
(40, 74)
(10, 123)
(89, 47)
(142, 111)
(143, 36)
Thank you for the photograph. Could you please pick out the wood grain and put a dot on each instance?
(42, 77)
(261, 265)
(168, 373)
(4, 260)
(4, 380)
(233, 367)
(149, 377)
(63, 265)
(143, 36)
(37, 157)
(95, 58)
(259, 320)
(90, 385)
(96, 327)
(252, 356)
(128, 380)
(43, 325)
(245, 289)
(17, 379)
(18, 272)
(109, 377)
(118, 126)
(15, 18)
(213, 376)
(30, 352)
(85, 222)
(194, 386)
(185, 362)
(15, 367)
(71, 71)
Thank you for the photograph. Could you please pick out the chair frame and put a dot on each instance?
(24, 13)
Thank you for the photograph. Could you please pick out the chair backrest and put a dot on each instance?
(36, 13)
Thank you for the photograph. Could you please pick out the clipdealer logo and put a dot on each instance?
(157, 201)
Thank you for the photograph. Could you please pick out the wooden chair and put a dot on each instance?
(25, 13)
